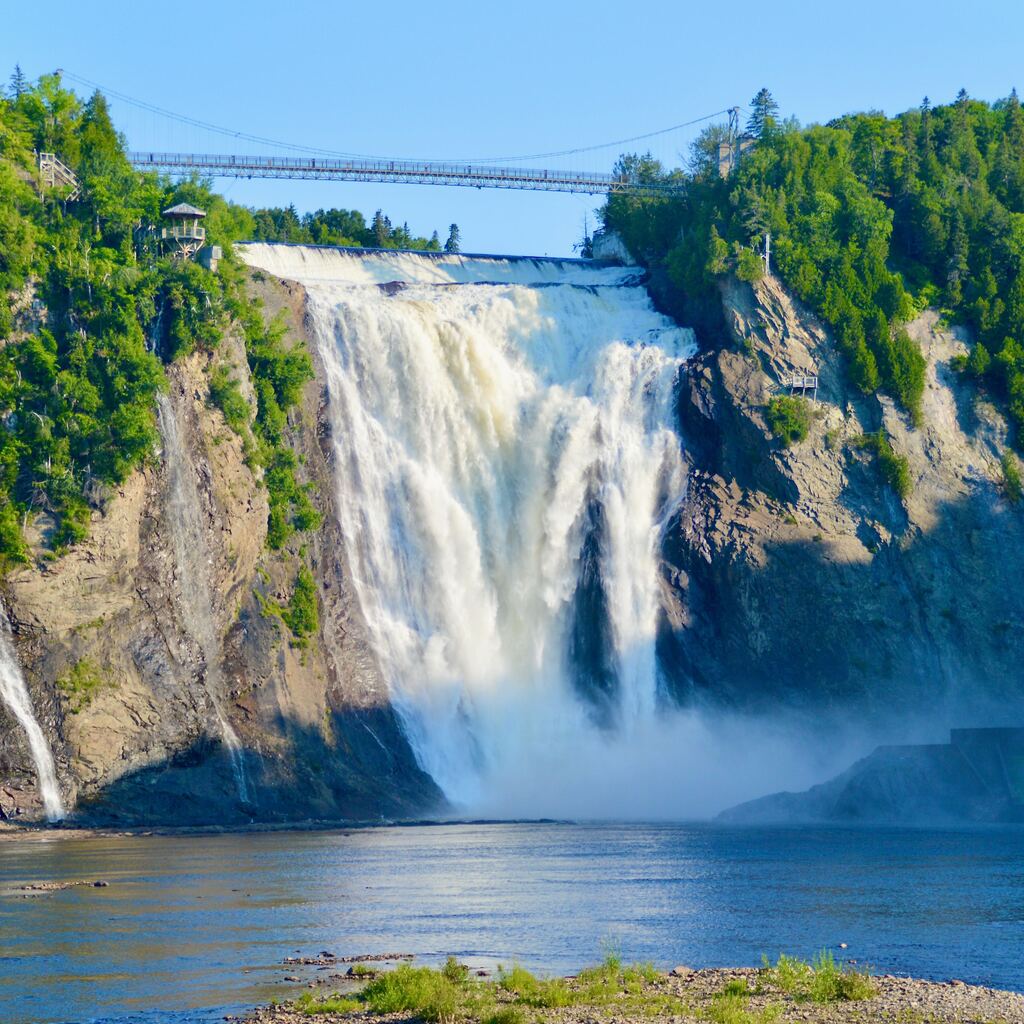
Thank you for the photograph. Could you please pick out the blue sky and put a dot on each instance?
(416, 79)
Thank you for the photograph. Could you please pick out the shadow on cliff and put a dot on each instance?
(362, 773)
(928, 629)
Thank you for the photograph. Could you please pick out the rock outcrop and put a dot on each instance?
(977, 777)
(121, 686)
(796, 577)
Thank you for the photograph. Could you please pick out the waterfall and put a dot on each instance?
(184, 518)
(15, 695)
(506, 461)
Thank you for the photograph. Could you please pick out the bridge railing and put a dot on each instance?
(395, 170)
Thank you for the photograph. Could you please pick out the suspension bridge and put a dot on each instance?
(408, 171)
(309, 162)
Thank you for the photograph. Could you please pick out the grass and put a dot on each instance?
(823, 980)
(81, 684)
(450, 996)
(310, 1006)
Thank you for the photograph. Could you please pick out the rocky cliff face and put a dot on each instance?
(796, 577)
(793, 577)
(120, 682)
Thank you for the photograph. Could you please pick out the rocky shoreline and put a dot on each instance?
(723, 995)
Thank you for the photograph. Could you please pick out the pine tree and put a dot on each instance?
(381, 230)
(19, 83)
(452, 245)
(763, 115)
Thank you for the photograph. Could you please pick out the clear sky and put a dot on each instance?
(478, 79)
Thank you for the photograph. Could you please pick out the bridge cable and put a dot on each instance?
(207, 126)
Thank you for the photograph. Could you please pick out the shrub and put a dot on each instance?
(302, 616)
(1011, 477)
(895, 467)
(789, 418)
(226, 395)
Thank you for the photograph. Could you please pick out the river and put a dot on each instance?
(192, 927)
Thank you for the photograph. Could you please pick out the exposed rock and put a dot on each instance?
(320, 737)
(977, 777)
(796, 577)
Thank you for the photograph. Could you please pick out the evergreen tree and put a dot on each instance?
(452, 245)
(381, 230)
(19, 84)
(763, 115)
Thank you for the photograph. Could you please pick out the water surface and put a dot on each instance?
(192, 927)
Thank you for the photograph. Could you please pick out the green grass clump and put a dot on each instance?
(789, 418)
(363, 971)
(312, 1006)
(81, 684)
(731, 1006)
(506, 1015)
(833, 983)
(821, 981)
(429, 994)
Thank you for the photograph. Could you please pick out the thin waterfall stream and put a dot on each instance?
(193, 560)
(15, 695)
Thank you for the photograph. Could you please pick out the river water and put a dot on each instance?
(192, 927)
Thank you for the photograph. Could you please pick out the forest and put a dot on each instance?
(872, 218)
(92, 313)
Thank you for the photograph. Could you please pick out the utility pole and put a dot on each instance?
(768, 253)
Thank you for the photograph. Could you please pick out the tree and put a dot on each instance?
(452, 245)
(19, 83)
(763, 115)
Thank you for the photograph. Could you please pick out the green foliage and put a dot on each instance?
(1011, 477)
(80, 685)
(895, 467)
(430, 994)
(871, 218)
(334, 227)
(789, 418)
(821, 981)
(226, 395)
(748, 264)
(302, 616)
(310, 1005)
(453, 242)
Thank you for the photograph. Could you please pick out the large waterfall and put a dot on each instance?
(193, 561)
(15, 695)
(506, 460)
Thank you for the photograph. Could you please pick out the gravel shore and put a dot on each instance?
(897, 1000)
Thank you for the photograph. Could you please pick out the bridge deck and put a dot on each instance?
(424, 173)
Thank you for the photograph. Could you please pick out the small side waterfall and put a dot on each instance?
(15, 695)
(192, 558)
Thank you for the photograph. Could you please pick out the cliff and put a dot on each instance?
(796, 577)
(792, 578)
(119, 679)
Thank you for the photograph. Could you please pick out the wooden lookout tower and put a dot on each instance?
(183, 236)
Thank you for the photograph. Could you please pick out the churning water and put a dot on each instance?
(506, 462)
(15, 695)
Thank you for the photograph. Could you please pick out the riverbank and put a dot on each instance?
(788, 991)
